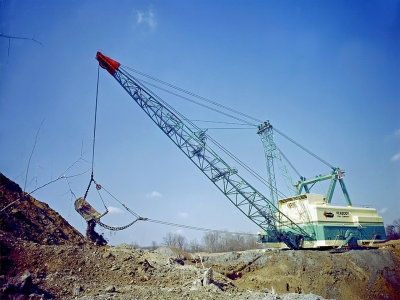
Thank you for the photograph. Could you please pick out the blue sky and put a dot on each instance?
(327, 73)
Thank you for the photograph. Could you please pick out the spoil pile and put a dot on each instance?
(42, 256)
(355, 274)
(32, 220)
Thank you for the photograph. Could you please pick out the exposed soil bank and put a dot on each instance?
(42, 256)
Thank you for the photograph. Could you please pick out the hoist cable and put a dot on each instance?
(304, 148)
(94, 132)
(95, 116)
(193, 94)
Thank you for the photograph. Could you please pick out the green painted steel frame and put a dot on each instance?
(270, 151)
(273, 159)
(245, 197)
(334, 176)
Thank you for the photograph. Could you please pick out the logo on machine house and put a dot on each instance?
(343, 214)
(328, 214)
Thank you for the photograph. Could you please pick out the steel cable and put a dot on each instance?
(193, 94)
(222, 106)
(255, 174)
(193, 101)
(304, 148)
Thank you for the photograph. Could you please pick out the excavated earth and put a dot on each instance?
(43, 257)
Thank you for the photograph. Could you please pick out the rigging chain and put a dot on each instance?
(139, 218)
(115, 228)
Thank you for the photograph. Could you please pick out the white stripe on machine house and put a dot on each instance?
(308, 208)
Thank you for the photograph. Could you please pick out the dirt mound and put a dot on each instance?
(42, 256)
(356, 274)
(173, 252)
(31, 219)
(120, 272)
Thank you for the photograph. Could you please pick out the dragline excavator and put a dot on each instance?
(303, 221)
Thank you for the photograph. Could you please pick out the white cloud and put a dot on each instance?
(183, 214)
(154, 194)
(395, 157)
(146, 18)
(114, 210)
(397, 132)
(383, 210)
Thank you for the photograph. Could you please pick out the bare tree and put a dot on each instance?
(212, 241)
(179, 241)
(227, 241)
(195, 246)
(134, 245)
(154, 245)
(175, 240)
(168, 240)
(393, 230)
(251, 242)
(396, 224)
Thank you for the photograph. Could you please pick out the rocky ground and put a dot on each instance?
(42, 257)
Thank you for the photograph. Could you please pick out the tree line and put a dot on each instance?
(211, 242)
(226, 241)
(393, 230)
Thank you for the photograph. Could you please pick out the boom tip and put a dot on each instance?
(107, 63)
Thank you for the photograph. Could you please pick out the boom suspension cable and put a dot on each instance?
(220, 122)
(252, 172)
(193, 94)
(304, 148)
(193, 101)
(224, 107)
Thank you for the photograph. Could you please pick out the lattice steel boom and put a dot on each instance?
(193, 144)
